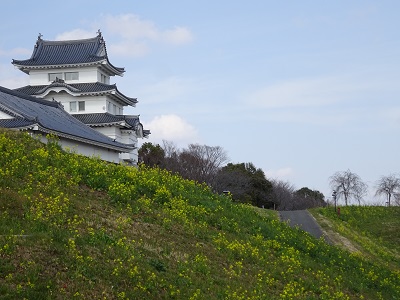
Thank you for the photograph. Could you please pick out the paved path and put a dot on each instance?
(304, 220)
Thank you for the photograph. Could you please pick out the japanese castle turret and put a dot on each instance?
(76, 73)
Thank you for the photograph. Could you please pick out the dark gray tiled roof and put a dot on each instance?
(51, 117)
(95, 87)
(106, 118)
(73, 52)
(16, 123)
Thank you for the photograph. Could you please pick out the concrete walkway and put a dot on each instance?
(304, 220)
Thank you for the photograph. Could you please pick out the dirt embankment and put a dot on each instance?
(334, 237)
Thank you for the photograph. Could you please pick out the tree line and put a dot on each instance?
(348, 186)
(244, 182)
(248, 184)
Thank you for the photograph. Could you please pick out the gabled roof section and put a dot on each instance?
(50, 54)
(107, 119)
(49, 117)
(78, 89)
(104, 119)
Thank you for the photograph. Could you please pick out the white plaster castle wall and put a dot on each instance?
(129, 137)
(41, 77)
(38, 77)
(93, 104)
(110, 131)
(85, 149)
(90, 150)
(132, 156)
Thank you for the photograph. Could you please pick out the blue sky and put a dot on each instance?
(302, 89)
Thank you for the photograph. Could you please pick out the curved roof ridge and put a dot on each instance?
(69, 52)
(58, 83)
(84, 88)
(62, 42)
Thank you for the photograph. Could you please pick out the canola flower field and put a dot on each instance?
(373, 230)
(73, 227)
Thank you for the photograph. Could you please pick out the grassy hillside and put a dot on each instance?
(370, 231)
(73, 227)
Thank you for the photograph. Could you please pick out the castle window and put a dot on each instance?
(81, 105)
(76, 106)
(71, 76)
(103, 78)
(54, 76)
(72, 106)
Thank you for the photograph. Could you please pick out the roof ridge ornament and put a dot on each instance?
(58, 80)
(39, 38)
(99, 35)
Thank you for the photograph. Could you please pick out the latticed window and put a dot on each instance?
(71, 76)
(76, 106)
(81, 105)
(72, 106)
(54, 76)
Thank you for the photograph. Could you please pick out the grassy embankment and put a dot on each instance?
(73, 227)
(369, 231)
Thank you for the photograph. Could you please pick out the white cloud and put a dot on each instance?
(324, 91)
(282, 174)
(15, 52)
(302, 92)
(127, 48)
(166, 90)
(129, 35)
(171, 128)
(131, 27)
(177, 36)
(14, 82)
(75, 34)
(17, 80)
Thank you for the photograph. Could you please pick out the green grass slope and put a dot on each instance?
(72, 227)
(373, 232)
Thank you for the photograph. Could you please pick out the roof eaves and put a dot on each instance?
(108, 124)
(52, 66)
(15, 124)
(57, 84)
(118, 146)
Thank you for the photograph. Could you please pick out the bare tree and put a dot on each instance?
(397, 198)
(388, 186)
(171, 153)
(283, 194)
(197, 162)
(203, 161)
(348, 185)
